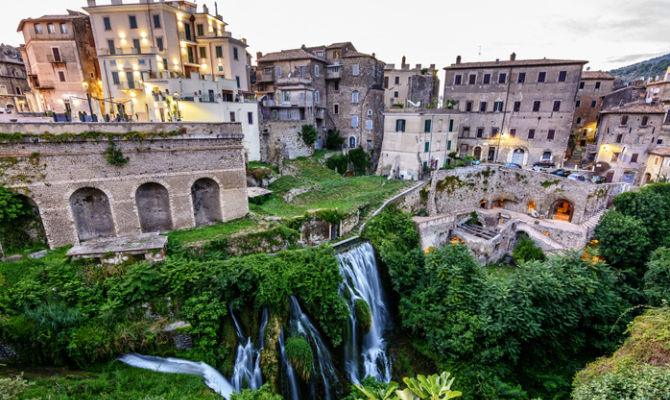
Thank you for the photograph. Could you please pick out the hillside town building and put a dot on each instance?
(62, 64)
(658, 165)
(13, 83)
(417, 85)
(518, 111)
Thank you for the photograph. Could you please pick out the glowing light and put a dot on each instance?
(203, 66)
(143, 34)
(137, 73)
(124, 41)
(132, 94)
(175, 61)
(122, 35)
(134, 100)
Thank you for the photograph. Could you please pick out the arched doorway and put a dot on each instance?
(25, 231)
(206, 201)
(477, 153)
(92, 213)
(563, 210)
(647, 178)
(153, 205)
(517, 156)
(352, 142)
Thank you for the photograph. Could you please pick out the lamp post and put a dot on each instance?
(501, 136)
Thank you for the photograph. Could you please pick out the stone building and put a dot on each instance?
(176, 176)
(592, 90)
(62, 64)
(327, 87)
(416, 140)
(626, 136)
(13, 83)
(419, 85)
(658, 165)
(517, 111)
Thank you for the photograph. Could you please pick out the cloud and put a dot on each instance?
(630, 58)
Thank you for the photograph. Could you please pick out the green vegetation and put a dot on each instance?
(657, 277)
(339, 163)
(363, 315)
(264, 393)
(114, 155)
(300, 356)
(308, 134)
(358, 158)
(527, 250)
(89, 135)
(546, 184)
(639, 370)
(433, 387)
(642, 70)
(333, 140)
(21, 230)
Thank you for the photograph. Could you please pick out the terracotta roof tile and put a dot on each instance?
(294, 54)
(635, 108)
(515, 63)
(661, 151)
(597, 75)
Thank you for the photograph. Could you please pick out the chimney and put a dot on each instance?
(458, 59)
(432, 67)
(259, 54)
(91, 3)
(402, 65)
(205, 9)
(497, 60)
(512, 57)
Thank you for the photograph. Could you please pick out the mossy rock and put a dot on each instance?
(363, 315)
(299, 354)
(270, 365)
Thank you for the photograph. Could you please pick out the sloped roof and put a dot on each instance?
(661, 151)
(294, 54)
(635, 108)
(515, 63)
(53, 17)
(341, 44)
(597, 75)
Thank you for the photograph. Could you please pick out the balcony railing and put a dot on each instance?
(130, 86)
(334, 72)
(288, 104)
(55, 60)
(294, 80)
(207, 99)
(124, 51)
(262, 77)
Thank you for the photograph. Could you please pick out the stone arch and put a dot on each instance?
(562, 210)
(153, 206)
(518, 156)
(352, 142)
(205, 194)
(92, 213)
(26, 230)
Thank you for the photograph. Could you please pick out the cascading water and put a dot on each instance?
(247, 369)
(288, 371)
(362, 282)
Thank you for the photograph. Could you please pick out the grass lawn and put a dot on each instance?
(112, 381)
(215, 231)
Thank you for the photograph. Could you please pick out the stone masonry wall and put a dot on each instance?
(50, 169)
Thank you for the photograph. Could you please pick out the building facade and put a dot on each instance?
(62, 65)
(626, 136)
(592, 89)
(416, 140)
(658, 166)
(419, 85)
(518, 111)
(13, 82)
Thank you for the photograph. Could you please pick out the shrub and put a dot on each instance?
(11, 388)
(308, 134)
(11, 206)
(264, 393)
(299, 354)
(645, 383)
(333, 140)
(657, 277)
(339, 163)
(363, 315)
(360, 159)
(527, 250)
(114, 156)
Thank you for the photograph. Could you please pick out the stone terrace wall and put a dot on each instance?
(50, 169)
(463, 189)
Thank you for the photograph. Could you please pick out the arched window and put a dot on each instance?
(352, 142)
(153, 205)
(92, 213)
(563, 210)
(206, 201)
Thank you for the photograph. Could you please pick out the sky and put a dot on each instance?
(607, 33)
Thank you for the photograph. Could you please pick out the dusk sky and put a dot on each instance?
(608, 33)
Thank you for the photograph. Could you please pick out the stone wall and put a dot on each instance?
(282, 140)
(80, 195)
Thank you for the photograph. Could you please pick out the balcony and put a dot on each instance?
(286, 104)
(334, 72)
(294, 80)
(130, 86)
(56, 60)
(207, 98)
(128, 51)
(262, 77)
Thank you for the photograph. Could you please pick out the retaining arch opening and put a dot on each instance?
(206, 201)
(92, 213)
(153, 206)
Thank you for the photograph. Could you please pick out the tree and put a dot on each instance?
(624, 241)
(333, 140)
(308, 134)
(651, 207)
(360, 160)
(11, 206)
(527, 250)
(657, 277)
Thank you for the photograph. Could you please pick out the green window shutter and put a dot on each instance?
(427, 147)
(426, 126)
(451, 125)
(449, 145)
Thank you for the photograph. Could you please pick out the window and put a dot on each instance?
(285, 96)
(159, 43)
(354, 97)
(386, 82)
(368, 124)
(562, 76)
(316, 70)
(51, 28)
(336, 86)
(130, 80)
(427, 124)
(619, 138)
(480, 132)
(220, 68)
(512, 133)
(200, 28)
(61, 76)
(250, 118)
(494, 132)
(203, 52)
(536, 105)
(56, 53)
(232, 116)
(369, 144)
(624, 120)
(63, 28)
(498, 106)
(457, 78)
(517, 106)
(581, 84)
(235, 54)
(640, 139)
(397, 80)
(482, 106)
(19, 91)
(578, 104)
(110, 45)
(187, 31)
(115, 78)
(579, 120)
(557, 106)
(400, 125)
(645, 120)
(142, 62)
(107, 23)
(551, 134)
(522, 77)
(448, 144)
(531, 133)
(541, 77)
(369, 112)
(336, 108)
(593, 104)
(132, 21)
(38, 28)
(546, 155)
(352, 142)
(354, 121)
(597, 85)
(468, 106)
(157, 21)
(355, 70)
(317, 97)
(219, 54)
(472, 79)
(239, 84)
(451, 125)
(487, 79)
(136, 46)
(396, 94)
(633, 158)
(502, 78)
(466, 132)
(615, 157)
(426, 147)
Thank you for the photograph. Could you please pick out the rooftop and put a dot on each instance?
(293, 54)
(597, 75)
(71, 15)
(514, 63)
(635, 108)
(661, 151)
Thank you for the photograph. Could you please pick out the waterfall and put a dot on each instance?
(293, 390)
(362, 282)
(212, 377)
(247, 369)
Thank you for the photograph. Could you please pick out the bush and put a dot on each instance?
(114, 156)
(339, 163)
(645, 383)
(11, 388)
(308, 134)
(360, 159)
(363, 315)
(264, 393)
(11, 206)
(333, 140)
(299, 354)
(657, 277)
(527, 250)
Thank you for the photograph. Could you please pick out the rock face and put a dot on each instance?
(6, 353)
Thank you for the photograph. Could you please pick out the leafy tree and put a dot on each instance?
(657, 277)
(333, 140)
(11, 207)
(527, 250)
(624, 241)
(360, 159)
(339, 163)
(308, 134)
(651, 208)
